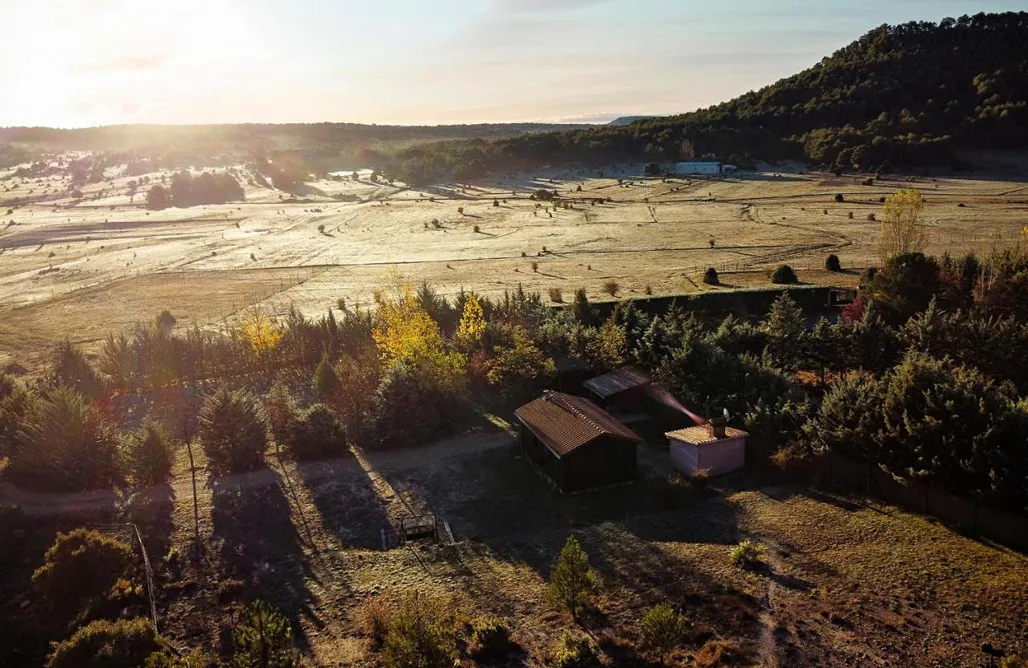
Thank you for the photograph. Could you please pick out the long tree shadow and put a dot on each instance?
(347, 500)
(259, 544)
(513, 510)
(150, 509)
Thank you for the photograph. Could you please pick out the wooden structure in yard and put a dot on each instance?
(576, 444)
(713, 447)
(416, 528)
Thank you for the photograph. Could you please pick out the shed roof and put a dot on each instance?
(566, 422)
(700, 435)
(617, 382)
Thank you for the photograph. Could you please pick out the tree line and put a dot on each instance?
(900, 96)
(185, 190)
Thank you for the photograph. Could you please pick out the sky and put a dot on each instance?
(79, 63)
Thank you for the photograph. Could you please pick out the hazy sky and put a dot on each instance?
(75, 63)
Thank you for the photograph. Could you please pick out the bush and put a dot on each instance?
(719, 653)
(572, 580)
(62, 443)
(490, 639)
(867, 277)
(663, 630)
(535, 266)
(125, 643)
(832, 263)
(70, 369)
(280, 411)
(783, 274)
(232, 432)
(326, 382)
(651, 169)
(748, 554)
(79, 568)
(839, 198)
(556, 296)
(477, 229)
(150, 453)
(710, 276)
(372, 620)
(421, 634)
(611, 288)
(230, 590)
(700, 478)
(316, 433)
(264, 640)
(571, 651)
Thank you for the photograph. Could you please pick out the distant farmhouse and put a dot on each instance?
(703, 168)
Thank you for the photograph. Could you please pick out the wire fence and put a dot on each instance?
(129, 533)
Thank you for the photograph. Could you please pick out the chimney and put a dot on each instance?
(716, 427)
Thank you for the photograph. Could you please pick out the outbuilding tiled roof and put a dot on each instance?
(566, 422)
(617, 382)
(700, 435)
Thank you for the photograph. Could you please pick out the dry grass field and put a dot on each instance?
(849, 582)
(84, 269)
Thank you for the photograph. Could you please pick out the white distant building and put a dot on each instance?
(711, 168)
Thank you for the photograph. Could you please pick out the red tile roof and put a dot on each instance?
(566, 422)
(700, 435)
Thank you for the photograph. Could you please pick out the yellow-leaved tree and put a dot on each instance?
(902, 229)
(609, 348)
(406, 334)
(471, 327)
(260, 332)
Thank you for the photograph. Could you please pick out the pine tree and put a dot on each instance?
(326, 382)
(572, 580)
(663, 629)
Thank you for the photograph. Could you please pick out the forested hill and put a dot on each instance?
(901, 95)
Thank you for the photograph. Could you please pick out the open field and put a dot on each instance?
(83, 269)
(850, 583)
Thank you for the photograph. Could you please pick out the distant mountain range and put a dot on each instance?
(626, 120)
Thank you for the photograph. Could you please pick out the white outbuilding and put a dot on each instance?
(713, 447)
(708, 168)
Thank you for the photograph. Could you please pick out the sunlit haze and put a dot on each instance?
(71, 63)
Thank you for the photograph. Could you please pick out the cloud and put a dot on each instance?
(126, 63)
(526, 6)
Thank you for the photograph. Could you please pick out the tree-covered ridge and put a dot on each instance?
(909, 94)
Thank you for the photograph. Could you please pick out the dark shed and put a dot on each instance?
(577, 444)
(623, 389)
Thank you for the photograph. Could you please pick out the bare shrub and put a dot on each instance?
(556, 295)
(372, 620)
(611, 288)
